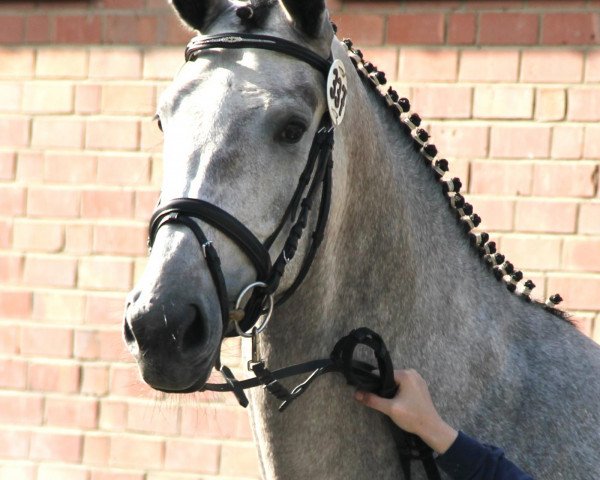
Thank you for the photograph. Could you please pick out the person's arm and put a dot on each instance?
(460, 456)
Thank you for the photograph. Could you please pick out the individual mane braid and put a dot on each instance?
(410, 122)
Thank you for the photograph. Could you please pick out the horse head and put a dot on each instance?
(238, 128)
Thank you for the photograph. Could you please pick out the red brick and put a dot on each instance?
(592, 66)
(497, 214)
(121, 64)
(54, 202)
(57, 132)
(147, 453)
(14, 444)
(104, 309)
(430, 65)
(123, 98)
(501, 177)
(584, 104)
(151, 138)
(508, 29)
(50, 271)
(59, 307)
(48, 97)
(122, 4)
(363, 29)
(98, 475)
(106, 203)
(21, 409)
(96, 449)
(582, 254)
(16, 62)
(72, 412)
(162, 63)
(120, 239)
(13, 200)
(532, 252)
(578, 292)
(30, 167)
(125, 380)
(520, 142)
(239, 460)
(5, 232)
(545, 216)
(192, 456)
(34, 235)
(489, 65)
(15, 304)
(38, 29)
(129, 29)
(416, 29)
(78, 239)
(112, 134)
(567, 142)
(105, 274)
(145, 202)
(17, 471)
(100, 345)
(386, 60)
(589, 218)
(146, 417)
(7, 165)
(54, 377)
(55, 472)
(61, 63)
(123, 170)
(55, 447)
(549, 179)
(47, 342)
(12, 29)
(503, 102)
(592, 142)
(94, 380)
(13, 372)
(78, 29)
(113, 415)
(173, 32)
(69, 168)
(442, 102)
(460, 141)
(11, 268)
(570, 29)
(550, 104)
(87, 98)
(9, 340)
(462, 28)
(555, 66)
(214, 422)
(11, 96)
(14, 131)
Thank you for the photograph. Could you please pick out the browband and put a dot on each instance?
(264, 42)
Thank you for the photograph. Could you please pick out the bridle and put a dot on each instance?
(317, 173)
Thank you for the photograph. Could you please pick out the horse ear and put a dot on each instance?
(199, 14)
(306, 14)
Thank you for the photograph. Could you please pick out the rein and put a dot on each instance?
(317, 173)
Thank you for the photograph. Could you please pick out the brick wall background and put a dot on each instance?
(510, 91)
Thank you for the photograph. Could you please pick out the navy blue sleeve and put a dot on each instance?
(467, 459)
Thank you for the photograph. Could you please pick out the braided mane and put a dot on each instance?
(502, 269)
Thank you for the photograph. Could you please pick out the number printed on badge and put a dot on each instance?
(337, 91)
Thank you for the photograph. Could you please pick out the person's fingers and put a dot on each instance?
(383, 405)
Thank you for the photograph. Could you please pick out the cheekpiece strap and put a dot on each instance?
(251, 40)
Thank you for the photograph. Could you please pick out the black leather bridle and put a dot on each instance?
(317, 173)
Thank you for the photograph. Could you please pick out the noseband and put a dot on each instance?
(317, 172)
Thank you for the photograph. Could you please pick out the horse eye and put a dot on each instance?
(292, 133)
(159, 123)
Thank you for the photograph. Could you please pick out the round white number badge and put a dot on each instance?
(337, 91)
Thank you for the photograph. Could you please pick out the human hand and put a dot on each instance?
(413, 411)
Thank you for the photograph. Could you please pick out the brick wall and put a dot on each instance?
(510, 91)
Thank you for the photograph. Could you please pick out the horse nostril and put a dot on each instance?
(195, 332)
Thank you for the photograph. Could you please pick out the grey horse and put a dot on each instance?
(238, 125)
